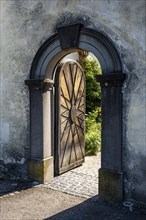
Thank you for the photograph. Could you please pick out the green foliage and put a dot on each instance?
(93, 132)
(93, 102)
(93, 117)
(93, 91)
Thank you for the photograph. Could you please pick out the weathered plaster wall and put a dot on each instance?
(25, 25)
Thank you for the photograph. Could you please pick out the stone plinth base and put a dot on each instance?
(41, 170)
(111, 185)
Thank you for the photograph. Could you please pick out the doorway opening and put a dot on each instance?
(69, 39)
(77, 123)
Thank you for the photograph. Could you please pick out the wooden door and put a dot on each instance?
(70, 117)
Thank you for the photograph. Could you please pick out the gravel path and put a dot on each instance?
(71, 196)
(41, 203)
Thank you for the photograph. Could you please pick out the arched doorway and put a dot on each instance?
(42, 82)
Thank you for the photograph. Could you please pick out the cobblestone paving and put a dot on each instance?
(81, 181)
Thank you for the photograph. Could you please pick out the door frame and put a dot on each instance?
(41, 84)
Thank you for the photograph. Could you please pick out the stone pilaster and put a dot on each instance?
(110, 174)
(40, 163)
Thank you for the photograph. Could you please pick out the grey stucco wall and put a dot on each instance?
(25, 25)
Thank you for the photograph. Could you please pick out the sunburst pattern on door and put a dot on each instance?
(72, 116)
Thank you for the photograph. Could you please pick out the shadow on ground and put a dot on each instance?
(97, 209)
(11, 186)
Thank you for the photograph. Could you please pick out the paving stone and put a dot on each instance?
(81, 181)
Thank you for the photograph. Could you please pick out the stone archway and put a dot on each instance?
(41, 84)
